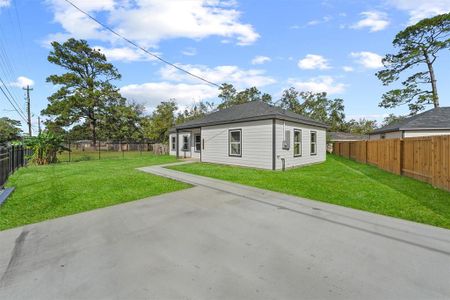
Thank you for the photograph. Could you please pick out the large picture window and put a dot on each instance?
(235, 142)
(174, 143)
(197, 143)
(313, 143)
(297, 142)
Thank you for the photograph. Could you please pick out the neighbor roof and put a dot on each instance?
(251, 111)
(344, 136)
(433, 119)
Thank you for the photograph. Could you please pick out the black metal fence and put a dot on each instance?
(11, 159)
(82, 150)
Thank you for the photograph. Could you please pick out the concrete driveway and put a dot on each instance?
(220, 240)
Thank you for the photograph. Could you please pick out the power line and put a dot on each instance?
(139, 47)
(12, 97)
(23, 48)
(12, 104)
(6, 65)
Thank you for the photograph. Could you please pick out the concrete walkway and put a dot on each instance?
(220, 240)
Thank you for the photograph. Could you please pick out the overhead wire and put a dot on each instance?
(12, 104)
(23, 47)
(12, 97)
(8, 68)
(141, 48)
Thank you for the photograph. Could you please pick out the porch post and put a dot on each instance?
(177, 143)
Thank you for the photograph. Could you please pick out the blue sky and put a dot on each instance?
(330, 45)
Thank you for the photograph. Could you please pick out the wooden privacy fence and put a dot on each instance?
(424, 158)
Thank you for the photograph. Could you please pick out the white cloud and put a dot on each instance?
(220, 74)
(314, 22)
(124, 54)
(313, 62)
(187, 90)
(152, 93)
(368, 59)
(420, 9)
(77, 24)
(374, 20)
(318, 85)
(189, 51)
(323, 20)
(22, 81)
(150, 21)
(347, 69)
(259, 60)
(5, 3)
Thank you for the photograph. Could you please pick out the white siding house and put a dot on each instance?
(188, 146)
(254, 135)
(300, 134)
(435, 121)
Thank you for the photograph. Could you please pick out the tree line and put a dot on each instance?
(87, 104)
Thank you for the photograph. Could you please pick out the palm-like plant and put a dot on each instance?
(45, 147)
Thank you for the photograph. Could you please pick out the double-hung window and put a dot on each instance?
(297, 142)
(185, 143)
(313, 142)
(174, 143)
(235, 142)
(197, 142)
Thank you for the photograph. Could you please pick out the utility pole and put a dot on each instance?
(28, 89)
(39, 124)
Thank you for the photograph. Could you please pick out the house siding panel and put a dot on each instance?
(306, 157)
(419, 133)
(256, 144)
(388, 135)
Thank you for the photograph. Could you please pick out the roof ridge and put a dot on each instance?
(251, 110)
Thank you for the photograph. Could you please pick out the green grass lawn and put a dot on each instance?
(46, 192)
(347, 183)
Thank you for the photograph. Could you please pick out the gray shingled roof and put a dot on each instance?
(251, 111)
(344, 136)
(436, 118)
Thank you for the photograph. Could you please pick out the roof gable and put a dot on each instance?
(255, 110)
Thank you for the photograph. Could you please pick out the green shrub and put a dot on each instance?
(45, 147)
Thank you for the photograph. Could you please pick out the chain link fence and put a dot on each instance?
(81, 150)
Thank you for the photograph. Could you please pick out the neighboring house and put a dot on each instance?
(343, 137)
(253, 134)
(435, 121)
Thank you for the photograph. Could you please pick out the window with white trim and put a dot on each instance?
(297, 142)
(174, 143)
(235, 142)
(197, 143)
(185, 143)
(313, 143)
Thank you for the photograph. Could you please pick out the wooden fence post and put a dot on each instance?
(433, 161)
(400, 157)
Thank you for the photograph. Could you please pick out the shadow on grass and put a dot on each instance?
(422, 192)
